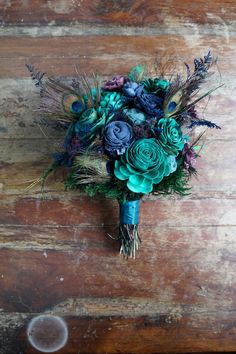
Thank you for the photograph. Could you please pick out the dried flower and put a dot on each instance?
(115, 84)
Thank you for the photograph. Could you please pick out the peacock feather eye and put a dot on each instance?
(172, 105)
(72, 104)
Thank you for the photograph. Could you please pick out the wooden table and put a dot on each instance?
(179, 295)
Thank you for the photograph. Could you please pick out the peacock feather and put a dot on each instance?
(90, 168)
(60, 102)
(72, 104)
(173, 103)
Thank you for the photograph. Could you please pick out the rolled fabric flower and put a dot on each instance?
(118, 135)
(170, 136)
(144, 164)
(115, 84)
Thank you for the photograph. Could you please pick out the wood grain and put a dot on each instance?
(56, 258)
(187, 302)
(120, 334)
(107, 54)
(123, 13)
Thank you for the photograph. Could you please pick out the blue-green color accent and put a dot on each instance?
(129, 212)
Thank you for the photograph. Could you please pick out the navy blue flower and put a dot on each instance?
(150, 103)
(139, 98)
(118, 135)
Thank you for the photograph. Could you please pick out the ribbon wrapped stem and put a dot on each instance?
(128, 229)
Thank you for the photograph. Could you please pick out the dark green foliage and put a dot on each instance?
(177, 182)
(114, 189)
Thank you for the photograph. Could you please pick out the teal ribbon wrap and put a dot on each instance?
(129, 212)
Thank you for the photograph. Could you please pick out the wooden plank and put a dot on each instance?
(56, 257)
(135, 13)
(175, 266)
(67, 209)
(136, 335)
(177, 286)
(106, 54)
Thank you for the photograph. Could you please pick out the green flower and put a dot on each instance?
(88, 124)
(135, 115)
(110, 100)
(156, 85)
(171, 137)
(145, 163)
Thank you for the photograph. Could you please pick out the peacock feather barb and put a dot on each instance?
(127, 137)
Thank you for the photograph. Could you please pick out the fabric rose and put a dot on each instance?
(115, 84)
(170, 136)
(118, 135)
(144, 164)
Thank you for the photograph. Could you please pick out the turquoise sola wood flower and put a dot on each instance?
(145, 163)
(171, 137)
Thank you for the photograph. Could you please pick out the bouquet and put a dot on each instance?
(126, 137)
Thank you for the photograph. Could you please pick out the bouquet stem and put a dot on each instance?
(128, 229)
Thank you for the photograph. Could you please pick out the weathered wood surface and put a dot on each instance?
(124, 13)
(107, 54)
(178, 296)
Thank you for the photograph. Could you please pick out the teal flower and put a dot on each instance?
(135, 115)
(88, 124)
(110, 101)
(156, 85)
(145, 163)
(171, 137)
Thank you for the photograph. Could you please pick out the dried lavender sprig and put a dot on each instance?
(203, 122)
(36, 75)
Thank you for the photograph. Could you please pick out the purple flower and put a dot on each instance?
(118, 135)
(189, 156)
(115, 84)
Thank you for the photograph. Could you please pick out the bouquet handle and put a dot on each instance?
(128, 228)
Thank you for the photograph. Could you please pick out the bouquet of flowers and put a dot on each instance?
(127, 137)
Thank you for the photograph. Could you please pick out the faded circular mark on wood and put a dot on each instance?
(47, 333)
